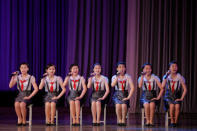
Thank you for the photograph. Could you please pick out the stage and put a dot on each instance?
(8, 121)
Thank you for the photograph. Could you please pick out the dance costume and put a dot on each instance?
(98, 87)
(149, 89)
(75, 87)
(24, 87)
(121, 90)
(173, 89)
(52, 88)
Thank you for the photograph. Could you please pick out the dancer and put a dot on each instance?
(52, 84)
(24, 83)
(99, 84)
(77, 90)
(124, 89)
(149, 84)
(174, 83)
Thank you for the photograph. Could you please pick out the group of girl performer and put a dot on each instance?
(172, 85)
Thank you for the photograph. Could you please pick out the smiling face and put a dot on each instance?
(173, 68)
(24, 69)
(51, 70)
(97, 69)
(147, 69)
(75, 70)
(121, 69)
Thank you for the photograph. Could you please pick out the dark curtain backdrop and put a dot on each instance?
(61, 32)
(88, 31)
(165, 30)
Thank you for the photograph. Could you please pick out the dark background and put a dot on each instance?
(106, 31)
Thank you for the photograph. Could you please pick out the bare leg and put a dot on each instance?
(94, 111)
(124, 113)
(77, 105)
(18, 111)
(48, 112)
(118, 112)
(53, 109)
(152, 112)
(172, 108)
(147, 112)
(98, 111)
(23, 111)
(177, 111)
(72, 111)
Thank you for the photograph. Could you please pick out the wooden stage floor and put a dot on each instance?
(8, 119)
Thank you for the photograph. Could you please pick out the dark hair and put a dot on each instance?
(172, 62)
(49, 65)
(71, 66)
(96, 65)
(24, 63)
(121, 63)
(145, 64)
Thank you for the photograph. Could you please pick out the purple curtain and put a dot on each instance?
(61, 32)
(164, 31)
(131, 59)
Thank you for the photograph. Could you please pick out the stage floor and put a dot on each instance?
(8, 121)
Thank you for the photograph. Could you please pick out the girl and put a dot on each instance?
(24, 82)
(77, 89)
(173, 82)
(51, 82)
(124, 89)
(99, 84)
(149, 83)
